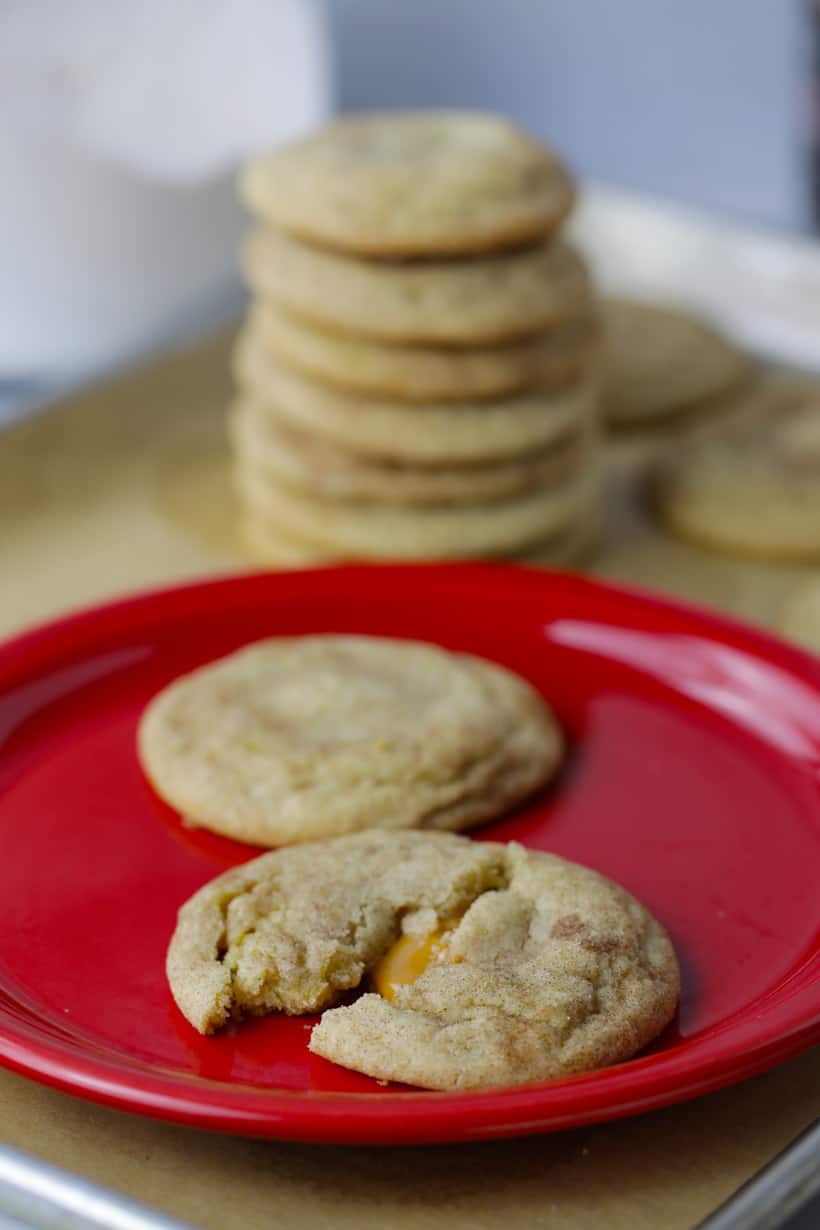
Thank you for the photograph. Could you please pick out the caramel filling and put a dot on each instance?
(408, 958)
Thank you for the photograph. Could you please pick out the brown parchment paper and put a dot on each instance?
(125, 486)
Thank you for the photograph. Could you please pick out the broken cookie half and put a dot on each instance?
(493, 965)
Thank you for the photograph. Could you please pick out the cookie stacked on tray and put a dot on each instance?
(418, 376)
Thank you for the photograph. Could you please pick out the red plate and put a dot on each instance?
(694, 780)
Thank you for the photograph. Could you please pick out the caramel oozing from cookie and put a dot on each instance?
(409, 957)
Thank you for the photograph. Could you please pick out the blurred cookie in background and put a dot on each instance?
(430, 434)
(419, 374)
(472, 301)
(264, 445)
(412, 183)
(800, 617)
(267, 543)
(423, 373)
(378, 530)
(662, 362)
(749, 485)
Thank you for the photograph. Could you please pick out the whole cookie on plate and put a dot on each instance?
(291, 739)
(264, 447)
(412, 183)
(493, 965)
(484, 301)
(427, 373)
(750, 485)
(660, 361)
(434, 434)
(800, 618)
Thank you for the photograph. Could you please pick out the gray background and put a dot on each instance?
(705, 101)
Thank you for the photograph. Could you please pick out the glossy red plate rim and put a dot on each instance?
(112, 1078)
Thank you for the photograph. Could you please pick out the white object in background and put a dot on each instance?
(120, 129)
(762, 286)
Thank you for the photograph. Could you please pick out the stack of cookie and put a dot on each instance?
(418, 376)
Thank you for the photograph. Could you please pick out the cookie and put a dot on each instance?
(434, 434)
(660, 362)
(800, 619)
(375, 530)
(266, 544)
(468, 303)
(572, 548)
(751, 485)
(264, 447)
(291, 739)
(412, 183)
(426, 373)
(495, 965)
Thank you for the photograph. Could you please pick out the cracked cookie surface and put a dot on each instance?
(550, 969)
(295, 738)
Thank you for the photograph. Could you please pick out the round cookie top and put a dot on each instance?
(659, 361)
(750, 485)
(547, 968)
(412, 183)
(290, 739)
